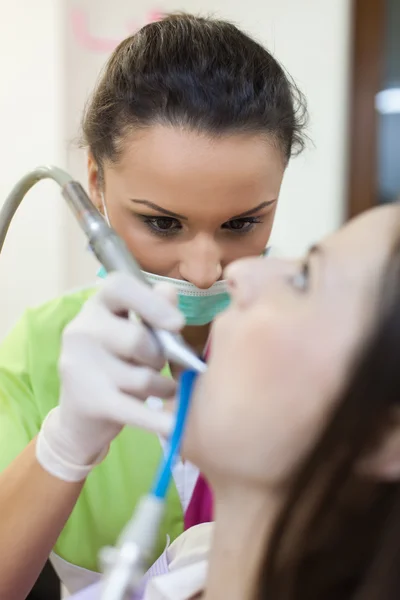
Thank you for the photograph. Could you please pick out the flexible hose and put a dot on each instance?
(18, 192)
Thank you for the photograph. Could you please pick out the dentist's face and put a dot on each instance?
(186, 204)
(280, 355)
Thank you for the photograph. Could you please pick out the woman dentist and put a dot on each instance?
(189, 133)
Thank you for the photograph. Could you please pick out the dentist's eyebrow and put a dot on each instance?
(174, 215)
(247, 213)
(164, 211)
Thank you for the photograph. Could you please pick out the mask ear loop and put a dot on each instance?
(106, 217)
(107, 220)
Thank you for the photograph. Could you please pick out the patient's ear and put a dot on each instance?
(384, 461)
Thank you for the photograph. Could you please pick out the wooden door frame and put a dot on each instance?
(367, 63)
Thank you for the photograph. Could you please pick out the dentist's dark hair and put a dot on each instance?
(202, 74)
(338, 536)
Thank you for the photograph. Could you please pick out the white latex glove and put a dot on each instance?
(108, 366)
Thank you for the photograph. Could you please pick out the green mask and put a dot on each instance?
(198, 306)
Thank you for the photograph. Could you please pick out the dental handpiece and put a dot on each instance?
(113, 254)
(108, 247)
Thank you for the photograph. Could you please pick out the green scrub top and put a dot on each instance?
(29, 389)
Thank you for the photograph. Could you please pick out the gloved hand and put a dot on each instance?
(108, 366)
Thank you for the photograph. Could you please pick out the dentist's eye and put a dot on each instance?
(241, 226)
(162, 226)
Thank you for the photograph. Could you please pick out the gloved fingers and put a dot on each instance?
(130, 340)
(118, 336)
(140, 382)
(130, 411)
(168, 291)
(122, 293)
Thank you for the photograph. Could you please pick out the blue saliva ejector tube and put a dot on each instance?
(126, 564)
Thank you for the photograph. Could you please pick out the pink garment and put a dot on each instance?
(200, 509)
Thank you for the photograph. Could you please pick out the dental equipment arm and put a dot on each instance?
(107, 246)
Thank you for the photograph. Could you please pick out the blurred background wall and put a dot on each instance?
(51, 53)
(32, 125)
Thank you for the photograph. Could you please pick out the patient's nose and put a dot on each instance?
(250, 278)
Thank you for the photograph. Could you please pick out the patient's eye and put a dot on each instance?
(300, 281)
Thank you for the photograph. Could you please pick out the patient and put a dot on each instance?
(296, 426)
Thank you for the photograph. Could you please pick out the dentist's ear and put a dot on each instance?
(383, 462)
(95, 183)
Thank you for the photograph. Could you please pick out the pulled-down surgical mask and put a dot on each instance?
(198, 306)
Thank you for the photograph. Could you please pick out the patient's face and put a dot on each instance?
(281, 354)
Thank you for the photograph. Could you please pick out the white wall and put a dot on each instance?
(311, 39)
(31, 108)
(314, 44)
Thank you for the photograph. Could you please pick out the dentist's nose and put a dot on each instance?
(201, 262)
